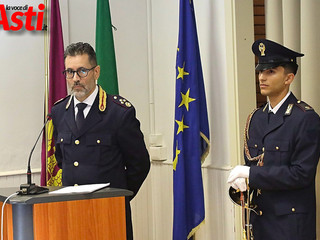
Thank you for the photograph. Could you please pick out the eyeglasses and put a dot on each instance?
(82, 72)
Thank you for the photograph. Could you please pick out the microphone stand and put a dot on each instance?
(30, 188)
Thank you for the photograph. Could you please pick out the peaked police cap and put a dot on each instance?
(272, 54)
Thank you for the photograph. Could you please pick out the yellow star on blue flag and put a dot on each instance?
(175, 160)
(181, 72)
(181, 126)
(186, 99)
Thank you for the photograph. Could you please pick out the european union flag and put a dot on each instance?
(191, 132)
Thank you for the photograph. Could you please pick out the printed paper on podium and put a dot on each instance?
(88, 188)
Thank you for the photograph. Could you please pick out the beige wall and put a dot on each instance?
(145, 43)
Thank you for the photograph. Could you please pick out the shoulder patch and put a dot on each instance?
(121, 101)
(304, 106)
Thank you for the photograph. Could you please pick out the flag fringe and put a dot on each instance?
(193, 231)
(206, 152)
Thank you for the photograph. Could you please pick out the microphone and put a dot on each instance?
(31, 188)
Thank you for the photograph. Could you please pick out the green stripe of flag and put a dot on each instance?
(105, 49)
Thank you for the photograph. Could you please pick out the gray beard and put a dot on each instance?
(79, 94)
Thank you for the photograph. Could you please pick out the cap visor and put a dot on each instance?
(265, 66)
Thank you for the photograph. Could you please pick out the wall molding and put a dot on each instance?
(18, 172)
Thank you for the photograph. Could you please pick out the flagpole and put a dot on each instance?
(46, 97)
(150, 70)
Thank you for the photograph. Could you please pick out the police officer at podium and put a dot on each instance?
(97, 135)
(282, 145)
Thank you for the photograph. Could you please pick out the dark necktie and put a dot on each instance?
(80, 115)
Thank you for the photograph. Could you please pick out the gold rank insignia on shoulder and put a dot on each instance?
(128, 104)
(289, 109)
(121, 101)
(102, 99)
(304, 106)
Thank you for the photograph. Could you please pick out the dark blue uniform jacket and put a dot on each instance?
(291, 146)
(109, 148)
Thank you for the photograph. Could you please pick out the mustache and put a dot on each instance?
(77, 84)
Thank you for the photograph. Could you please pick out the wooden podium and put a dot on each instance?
(99, 215)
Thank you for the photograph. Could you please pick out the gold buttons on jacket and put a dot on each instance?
(76, 185)
(293, 209)
(263, 149)
(98, 141)
(277, 148)
(255, 145)
(76, 164)
(77, 142)
(61, 140)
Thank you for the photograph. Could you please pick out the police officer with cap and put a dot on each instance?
(282, 147)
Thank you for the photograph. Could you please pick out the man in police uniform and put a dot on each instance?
(97, 136)
(281, 152)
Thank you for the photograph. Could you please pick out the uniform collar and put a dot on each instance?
(277, 107)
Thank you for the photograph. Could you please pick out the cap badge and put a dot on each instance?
(262, 49)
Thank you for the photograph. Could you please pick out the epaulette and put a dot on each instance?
(60, 100)
(121, 101)
(304, 106)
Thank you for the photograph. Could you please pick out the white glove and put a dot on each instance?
(238, 172)
(239, 183)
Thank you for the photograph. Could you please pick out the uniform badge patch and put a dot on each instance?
(102, 99)
(68, 103)
(289, 110)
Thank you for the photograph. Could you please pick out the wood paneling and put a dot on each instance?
(7, 223)
(258, 10)
(258, 2)
(259, 29)
(259, 20)
(259, 36)
(102, 219)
